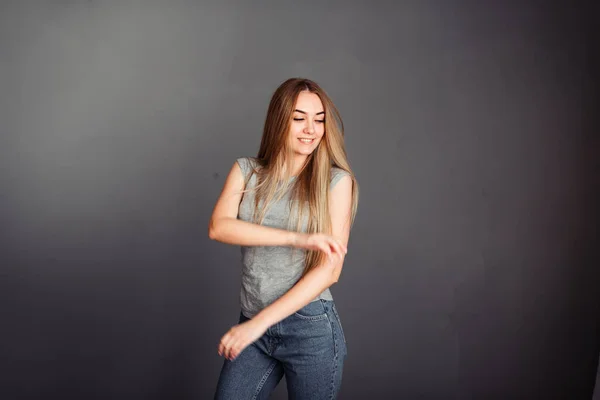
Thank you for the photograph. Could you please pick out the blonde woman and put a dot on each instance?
(290, 209)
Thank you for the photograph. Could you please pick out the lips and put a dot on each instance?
(306, 141)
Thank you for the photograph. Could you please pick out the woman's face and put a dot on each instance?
(308, 123)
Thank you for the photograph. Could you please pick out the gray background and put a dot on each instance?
(471, 271)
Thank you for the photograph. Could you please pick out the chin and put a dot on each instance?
(304, 152)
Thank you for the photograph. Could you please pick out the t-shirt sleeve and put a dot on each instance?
(246, 165)
(336, 175)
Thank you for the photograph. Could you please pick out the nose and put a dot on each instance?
(309, 128)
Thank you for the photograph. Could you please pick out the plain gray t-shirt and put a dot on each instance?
(268, 272)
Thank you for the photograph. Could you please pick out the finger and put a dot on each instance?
(337, 248)
(325, 249)
(341, 245)
(241, 347)
(233, 353)
(237, 350)
(328, 247)
(329, 253)
(344, 247)
(343, 250)
(227, 352)
(231, 347)
(221, 346)
(226, 343)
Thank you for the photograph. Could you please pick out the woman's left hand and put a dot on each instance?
(239, 337)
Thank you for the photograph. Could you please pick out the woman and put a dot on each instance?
(291, 254)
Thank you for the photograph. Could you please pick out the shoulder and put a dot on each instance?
(247, 165)
(247, 161)
(336, 175)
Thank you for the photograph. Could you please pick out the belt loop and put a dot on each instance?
(324, 304)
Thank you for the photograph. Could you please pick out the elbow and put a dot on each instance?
(335, 273)
(335, 278)
(212, 231)
(217, 228)
(332, 280)
(331, 274)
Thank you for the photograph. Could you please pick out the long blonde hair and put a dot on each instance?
(311, 186)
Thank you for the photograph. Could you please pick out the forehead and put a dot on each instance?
(309, 102)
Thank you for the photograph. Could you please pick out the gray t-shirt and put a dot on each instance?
(268, 272)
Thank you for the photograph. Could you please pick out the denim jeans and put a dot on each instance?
(308, 347)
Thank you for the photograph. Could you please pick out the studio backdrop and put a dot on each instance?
(472, 264)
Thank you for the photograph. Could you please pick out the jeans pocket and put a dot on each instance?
(313, 311)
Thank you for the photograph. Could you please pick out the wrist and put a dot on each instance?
(262, 320)
(296, 239)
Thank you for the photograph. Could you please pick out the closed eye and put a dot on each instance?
(302, 119)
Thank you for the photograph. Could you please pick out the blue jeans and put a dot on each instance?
(308, 347)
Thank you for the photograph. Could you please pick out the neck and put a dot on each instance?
(299, 160)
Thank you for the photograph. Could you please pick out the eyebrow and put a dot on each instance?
(302, 112)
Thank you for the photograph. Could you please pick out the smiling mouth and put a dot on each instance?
(306, 141)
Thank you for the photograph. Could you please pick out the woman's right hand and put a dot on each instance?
(321, 242)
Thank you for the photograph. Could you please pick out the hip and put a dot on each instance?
(315, 327)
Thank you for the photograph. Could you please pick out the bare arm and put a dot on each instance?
(309, 286)
(324, 275)
(225, 227)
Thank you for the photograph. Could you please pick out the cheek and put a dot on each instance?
(293, 132)
(320, 131)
